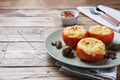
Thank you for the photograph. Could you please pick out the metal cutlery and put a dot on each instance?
(104, 16)
(112, 18)
(93, 11)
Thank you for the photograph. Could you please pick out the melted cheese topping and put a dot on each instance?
(102, 30)
(75, 31)
(92, 46)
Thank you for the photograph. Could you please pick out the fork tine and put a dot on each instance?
(93, 11)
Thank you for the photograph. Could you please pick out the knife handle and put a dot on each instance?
(108, 19)
(113, 19)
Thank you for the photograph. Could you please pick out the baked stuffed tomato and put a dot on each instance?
(102, 33)
(71, 35)
(90, 50)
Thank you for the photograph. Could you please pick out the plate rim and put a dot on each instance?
(100, 67)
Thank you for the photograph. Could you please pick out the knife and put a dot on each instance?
(110, 17)
(103, 16)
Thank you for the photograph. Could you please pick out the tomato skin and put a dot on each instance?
(106, 39)
(69, 41)
(88, 58)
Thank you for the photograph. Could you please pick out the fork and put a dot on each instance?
(103, 16)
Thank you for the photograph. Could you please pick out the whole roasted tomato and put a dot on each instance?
(106, 39)
(72, 41)
(88, 58)
(102, 33)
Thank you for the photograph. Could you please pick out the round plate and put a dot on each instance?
(57, 54)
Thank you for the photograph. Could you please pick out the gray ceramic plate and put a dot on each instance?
(56, 53)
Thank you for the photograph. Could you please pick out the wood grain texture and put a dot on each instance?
(42, 73)
(24, 25)
(59, 4)
(22, 45)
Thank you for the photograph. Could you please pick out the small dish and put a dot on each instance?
(68, 17)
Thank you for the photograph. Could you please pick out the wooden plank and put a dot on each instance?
(26, 58)
(41, 73)
(20, 4)
(32, 20)
(27, 12)
(26, 21)
(114, 4)
(24, 34)
(27, 17)
(118, 73)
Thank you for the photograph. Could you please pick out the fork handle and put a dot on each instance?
(113, 19)
(109, 20)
